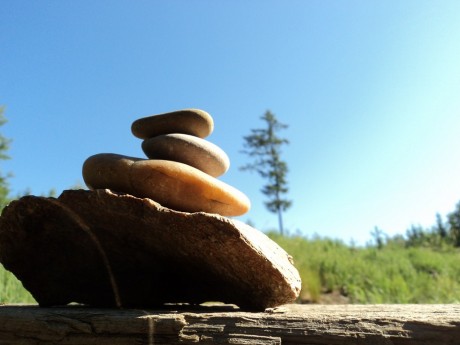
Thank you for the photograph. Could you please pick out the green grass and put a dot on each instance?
(11, 289)
(393, 274)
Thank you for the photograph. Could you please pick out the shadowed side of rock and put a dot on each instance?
(104, 249)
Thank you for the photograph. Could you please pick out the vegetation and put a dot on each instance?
(11, 289)
(4, 146)
(420, 267)
(392, 274)
(264, 146)
(441, 235)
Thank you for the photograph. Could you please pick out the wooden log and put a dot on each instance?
(290, 324)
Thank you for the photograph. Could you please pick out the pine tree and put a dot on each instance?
(440, 227)
(264, 147)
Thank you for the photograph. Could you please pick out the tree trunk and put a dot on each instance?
(290, 324)
(280, 221)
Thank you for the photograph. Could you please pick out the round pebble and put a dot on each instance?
(190, 150)
(172, 184)
(188, 121)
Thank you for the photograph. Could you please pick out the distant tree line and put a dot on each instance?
(444, 233)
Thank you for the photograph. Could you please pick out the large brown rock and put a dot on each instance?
(104, 249)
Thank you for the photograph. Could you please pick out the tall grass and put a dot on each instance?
(11, 289)
(392, 274)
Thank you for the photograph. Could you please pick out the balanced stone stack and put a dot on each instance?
(181, 170)
(150, 232)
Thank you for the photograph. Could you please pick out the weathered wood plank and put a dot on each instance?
(292, 324)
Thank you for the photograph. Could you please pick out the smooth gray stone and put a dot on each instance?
(190, 150)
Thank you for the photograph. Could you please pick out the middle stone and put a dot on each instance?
(190, 150)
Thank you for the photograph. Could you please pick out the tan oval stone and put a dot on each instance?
(190, 150)
(172, 184)
(188, 121)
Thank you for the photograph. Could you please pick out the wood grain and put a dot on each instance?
(290, 324)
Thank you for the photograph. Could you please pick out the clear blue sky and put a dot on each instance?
(370, 91)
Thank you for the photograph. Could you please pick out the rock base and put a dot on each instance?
(108, 250)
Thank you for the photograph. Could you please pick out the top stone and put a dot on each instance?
(188, 121)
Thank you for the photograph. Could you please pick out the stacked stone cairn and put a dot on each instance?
(181, 170)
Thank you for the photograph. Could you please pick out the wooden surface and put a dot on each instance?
(292, 324)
